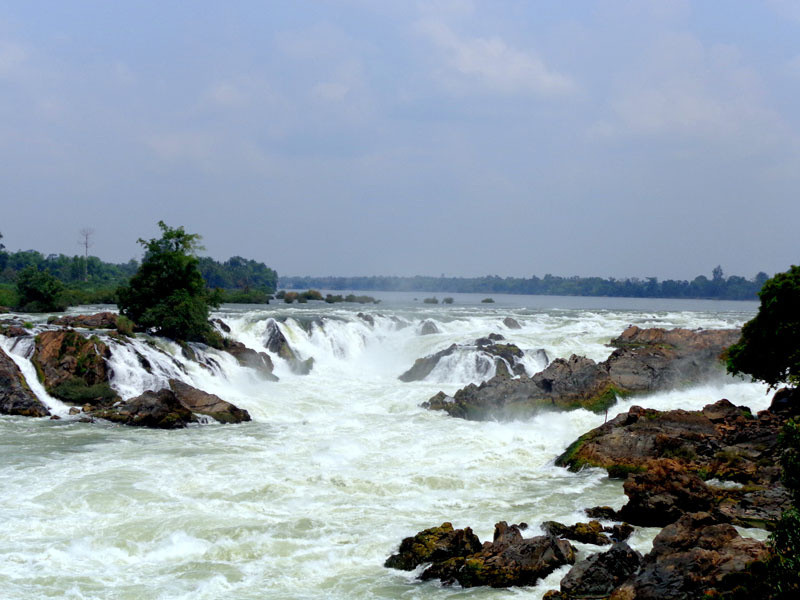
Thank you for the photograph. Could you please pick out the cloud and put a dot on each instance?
(493, 64)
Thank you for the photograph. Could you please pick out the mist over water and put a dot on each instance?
(309, 499)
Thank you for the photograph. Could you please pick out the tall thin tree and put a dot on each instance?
(85, 241)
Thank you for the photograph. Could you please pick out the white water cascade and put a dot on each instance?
(336, 468)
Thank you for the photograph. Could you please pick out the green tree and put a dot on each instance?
(168, 294)
(38, 291)
(769, 349)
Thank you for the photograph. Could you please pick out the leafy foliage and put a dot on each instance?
(168, 294)
(769, 349)
(38, 291)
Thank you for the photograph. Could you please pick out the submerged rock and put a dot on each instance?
(73, 368)
(646, 360)
(16, 398)
(247, 357)
(204, 403)
(277, 343)
(511, 323)
(428, 327)
(433, 545)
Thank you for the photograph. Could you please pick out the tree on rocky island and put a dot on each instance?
(769, 349)
(39, 291)
(168, 295)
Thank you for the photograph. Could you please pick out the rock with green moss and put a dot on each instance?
(587, 533)
(16, 398)
(73, 367)
(434, 545)
(158, 410)
(509, 560)
(645, 361)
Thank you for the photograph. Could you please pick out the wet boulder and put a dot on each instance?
(16, 398)
(432, 545)
(428, 327)
(200, 402)
(247, 357)
(276, 342)
(73, 368)
(158, 410)
(587, 533)
(424, 366)
(698, 557)
(511, 323)
(103, 320)
(599, 574)
(220, 324)
(509, 560)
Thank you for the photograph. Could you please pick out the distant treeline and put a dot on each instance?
(236, 273)
(718, 286)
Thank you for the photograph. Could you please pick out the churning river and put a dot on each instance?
(310, 498)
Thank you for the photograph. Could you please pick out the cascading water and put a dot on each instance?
(337, 466)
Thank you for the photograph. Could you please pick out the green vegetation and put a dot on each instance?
(718, 287)
(39, 291)
(77, 391)
(331, 299)
(447, 300)
(168, 294)
(433, 300)
(488, 301)
(769, 349)
(784, 542)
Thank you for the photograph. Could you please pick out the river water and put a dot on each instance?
(309, 499)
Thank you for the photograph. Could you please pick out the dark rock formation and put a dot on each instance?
(696, 557)
(511, 323)
(501, 354)
(204, 403)
(247, 357)
(588, 533)
(160, 410)
(277, 343)
(103, 320)
(16, 398)
(646, 360)
(369, 319)
(221, 325)
(73, 367)
(599, 574)
(428, 327)
(509, 560)
(434, 545)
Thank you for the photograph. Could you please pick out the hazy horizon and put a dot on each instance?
(354, 138)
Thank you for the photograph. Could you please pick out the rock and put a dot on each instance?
(204, 403)
(103, 320)
(697, 557)
(785, 402)
(646, 360)
(74, 410)
(502, 355)
(160, 410)
(511, 323)
(597, 575)
(369, 319)
(221, 325)
(73, 367)
(16, 398)
(602, 512)
(276, 342)
(13, 331)
(432, 545)
(509, 560)
(247, 357)
(428, 327)
(587, 533)
(424, 366)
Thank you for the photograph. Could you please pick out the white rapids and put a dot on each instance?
(310, 498)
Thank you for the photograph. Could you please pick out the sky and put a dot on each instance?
(385, 137)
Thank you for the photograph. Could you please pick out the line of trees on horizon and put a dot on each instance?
(718, 286)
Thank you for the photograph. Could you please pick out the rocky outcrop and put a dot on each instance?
(487, 349)
(588, 533)
(671, 460)
(203, 403)
(428, 327)
(73, 367)
(509, 560)
(159, 410)
(434, 545)
(599, 574)
(16, 398)
(276, 342)
(103, 320)
(645, 361)
(696, 557)
(511, 323)
(247, 357)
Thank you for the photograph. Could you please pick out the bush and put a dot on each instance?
(168, 294)
(39, 291)
(769, 349)
(488, 301)
(433, 300)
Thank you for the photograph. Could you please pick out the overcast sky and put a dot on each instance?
(355, 137)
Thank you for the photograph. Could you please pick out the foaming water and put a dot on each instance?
(308, 499)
